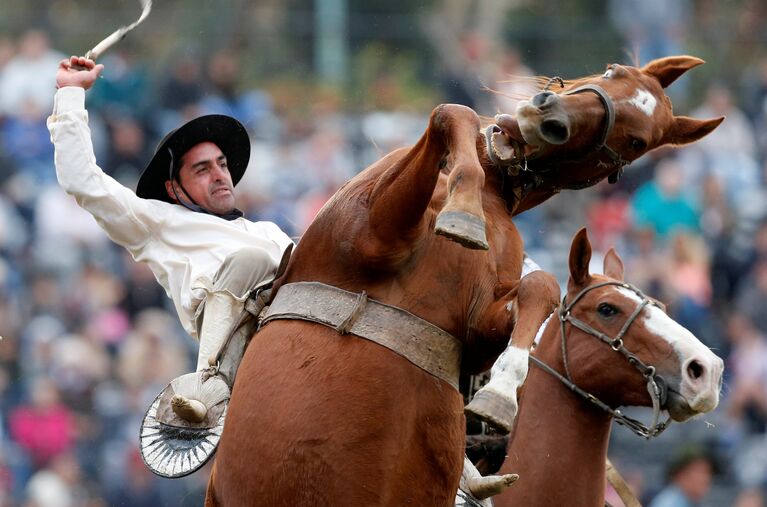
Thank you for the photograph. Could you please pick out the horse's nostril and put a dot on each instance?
(554, 131)
(695, 370)
(541, 98)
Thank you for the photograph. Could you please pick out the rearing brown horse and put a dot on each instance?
(320, 416)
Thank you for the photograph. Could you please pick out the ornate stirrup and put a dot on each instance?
(179, 449)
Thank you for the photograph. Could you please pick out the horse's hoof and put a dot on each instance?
(189, 410)
(463, 228)
(496, 410)
(491, 485)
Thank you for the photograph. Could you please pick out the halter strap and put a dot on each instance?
(609, 108)
(655, 383)
(606, 127)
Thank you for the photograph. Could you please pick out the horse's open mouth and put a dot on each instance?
(511, 139)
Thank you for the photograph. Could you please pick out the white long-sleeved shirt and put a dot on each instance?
(183, 248)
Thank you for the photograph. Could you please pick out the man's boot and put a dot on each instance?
(475, 490)
(198, 393)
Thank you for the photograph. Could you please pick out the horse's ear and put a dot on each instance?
(686, 130)
(580, 256)
(613, 266)
(668, 69)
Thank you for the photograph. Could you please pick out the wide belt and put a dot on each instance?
(420, 342)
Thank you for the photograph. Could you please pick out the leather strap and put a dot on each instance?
(425, 345)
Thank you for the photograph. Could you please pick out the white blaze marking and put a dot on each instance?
(644, 101)
(702, 394)
(681, 340)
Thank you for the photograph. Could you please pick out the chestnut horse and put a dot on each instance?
(608, 340)
(318, 415)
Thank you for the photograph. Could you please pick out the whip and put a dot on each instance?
(119, 34)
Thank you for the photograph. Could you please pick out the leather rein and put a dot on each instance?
(656, 386)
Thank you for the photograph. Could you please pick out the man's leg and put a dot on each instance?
(182, 428)
(222, 313)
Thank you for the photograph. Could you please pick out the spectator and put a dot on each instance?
(689, 476)
(735, 135)
(44, 428)
(59, 485)
(689, 283)
(26, 143)
(653, 29)
(729, 153)
(137, 489)
(515, 81)
(128, 152)
(751, 296)
(747, 365)
(224, 96)
(661, 204)
(608, 217)
(28, 78)
(124, 90)
(183, 87)
(181, 92)
(749, 498)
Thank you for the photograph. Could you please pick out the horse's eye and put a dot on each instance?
(638, 144)
(607, 310)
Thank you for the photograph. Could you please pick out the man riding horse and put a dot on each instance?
(183, 223)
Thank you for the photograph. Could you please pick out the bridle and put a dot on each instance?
(518, 164)
(656, 386)
(617, 161)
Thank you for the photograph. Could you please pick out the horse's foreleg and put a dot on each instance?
(496, 402)
(462, 218)
(402, 194)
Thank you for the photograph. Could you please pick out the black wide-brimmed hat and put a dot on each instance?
(224, 131)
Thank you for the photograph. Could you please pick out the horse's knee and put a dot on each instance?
(539, 287)
(445, 116)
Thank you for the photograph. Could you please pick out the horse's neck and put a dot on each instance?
(558, 446)
(533, 199)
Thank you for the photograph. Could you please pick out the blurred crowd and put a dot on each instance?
(89, 338)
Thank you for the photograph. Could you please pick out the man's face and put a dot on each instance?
(205, 176)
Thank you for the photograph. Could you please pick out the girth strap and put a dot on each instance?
(425, 345)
